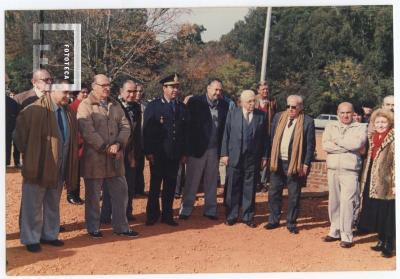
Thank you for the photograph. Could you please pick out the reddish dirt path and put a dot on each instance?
(196, 245)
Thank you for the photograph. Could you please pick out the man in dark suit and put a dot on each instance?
(139, 177)
(293, 145)
(206, 122)
(163, 138)
(244, 150)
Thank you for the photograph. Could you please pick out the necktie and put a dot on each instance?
(290, 123)
(60, 123)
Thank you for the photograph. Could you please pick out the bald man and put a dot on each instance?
(388, 103)
(343, 140)
(244, 151)
(105, 131)
(41, 81)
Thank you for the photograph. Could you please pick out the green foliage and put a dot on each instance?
(327, 54)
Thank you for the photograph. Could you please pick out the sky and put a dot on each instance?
(217, 21)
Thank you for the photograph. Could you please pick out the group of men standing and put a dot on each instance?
(110, 138)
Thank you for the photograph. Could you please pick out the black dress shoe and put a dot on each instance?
(183, 217)
(378, 247)
(129, 233)
(96, 234)
(387, 249)
(293, 230)
(34, 248)
(271, 226)
(62, 229)
(329, 238)
(170, 222)
(251, 224)
(211, 217)
(230, 222)
(55, 242)
(345, 244)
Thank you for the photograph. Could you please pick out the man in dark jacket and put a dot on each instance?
(293, 146)
(206, 122)
(163, 138)
(244, 150)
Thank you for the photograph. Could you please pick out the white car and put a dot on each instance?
(323, 119)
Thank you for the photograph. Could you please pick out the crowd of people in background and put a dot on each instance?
(198, 143)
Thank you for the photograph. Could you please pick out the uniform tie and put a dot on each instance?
(60, 123)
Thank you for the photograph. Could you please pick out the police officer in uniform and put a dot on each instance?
(163, 140)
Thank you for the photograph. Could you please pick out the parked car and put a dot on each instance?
(323, 119)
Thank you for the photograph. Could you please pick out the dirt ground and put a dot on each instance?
(197, 245)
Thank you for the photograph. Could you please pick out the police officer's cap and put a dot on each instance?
(170, 80)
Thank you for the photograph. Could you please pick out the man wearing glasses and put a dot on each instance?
(163, 139)
(293, 145)
(46, 134)
(41, 81)
(105, 131)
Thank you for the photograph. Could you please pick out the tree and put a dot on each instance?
(114, 42)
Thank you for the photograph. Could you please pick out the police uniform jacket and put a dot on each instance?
(164, 129)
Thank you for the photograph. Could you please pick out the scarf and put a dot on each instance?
(377, 139)
(295, 164)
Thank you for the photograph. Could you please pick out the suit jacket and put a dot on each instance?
(233, 136)
(200, 123)
(133, 148)
(164, 130)
(26, 98)
(308, 138)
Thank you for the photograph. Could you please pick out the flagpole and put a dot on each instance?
(265, 47)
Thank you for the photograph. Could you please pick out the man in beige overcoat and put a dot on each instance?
(105, 131)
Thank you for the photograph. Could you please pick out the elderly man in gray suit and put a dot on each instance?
(244, 150)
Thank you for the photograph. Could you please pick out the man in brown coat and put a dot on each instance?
(105, 131)
(46, 134)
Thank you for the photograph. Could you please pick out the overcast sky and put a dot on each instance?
(217, 21)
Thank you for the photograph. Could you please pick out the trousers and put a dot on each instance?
(278, 180)
(343, 202)
(205, 167)
(118, 190)
(40, 213)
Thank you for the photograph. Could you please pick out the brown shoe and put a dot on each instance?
(345, 244)
(329, 238)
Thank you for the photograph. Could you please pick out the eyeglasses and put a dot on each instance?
(291, 107)
(103, 85)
